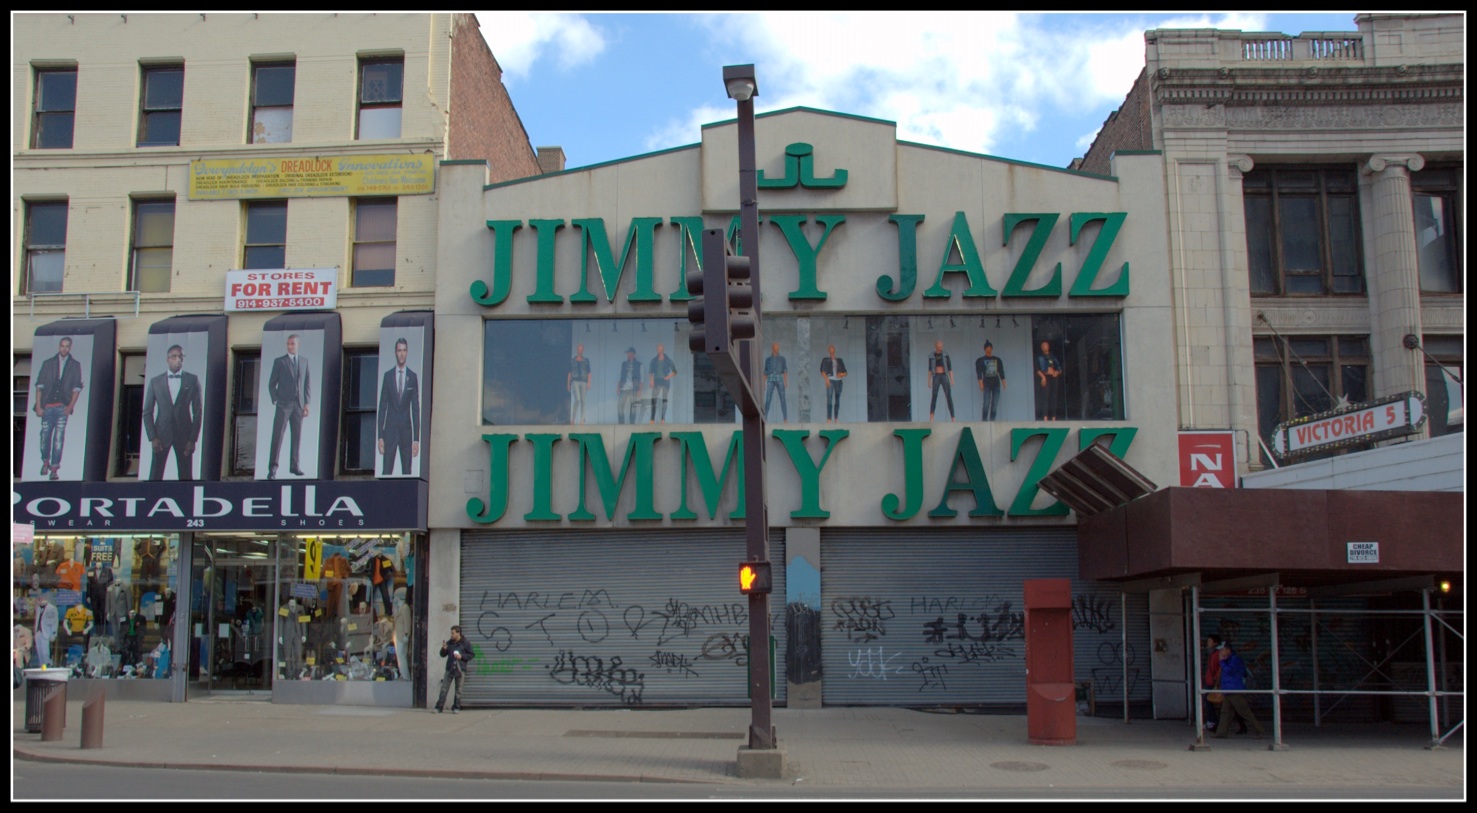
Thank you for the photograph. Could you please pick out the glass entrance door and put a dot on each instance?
(231, 618)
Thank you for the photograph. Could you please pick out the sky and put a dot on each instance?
(1029, 87)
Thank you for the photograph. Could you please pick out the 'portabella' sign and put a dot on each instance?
(230, 506)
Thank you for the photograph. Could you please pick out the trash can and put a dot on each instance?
(40, 684)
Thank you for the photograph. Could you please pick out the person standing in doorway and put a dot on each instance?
(291, 391)
(1049, 381)
(628, 389)
(989, 370)
(940, 374)
(58, 385)
(399, 413)
(457, 652)
(777, 379)
(577, 383)
(833, 370)
(172, 417)
(660, 372)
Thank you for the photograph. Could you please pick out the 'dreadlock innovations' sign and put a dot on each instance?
(312, 176)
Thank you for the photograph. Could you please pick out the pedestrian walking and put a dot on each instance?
(1233, 680)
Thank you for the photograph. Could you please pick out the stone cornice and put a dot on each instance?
(1314, 117)
(1314, 315)
(1310, 85)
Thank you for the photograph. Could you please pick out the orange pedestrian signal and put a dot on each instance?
(754, 578)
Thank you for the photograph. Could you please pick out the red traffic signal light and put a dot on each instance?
(754, 578)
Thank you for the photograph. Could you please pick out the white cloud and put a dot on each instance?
(965, 80)
(519, 40)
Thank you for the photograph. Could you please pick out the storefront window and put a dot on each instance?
(344, 608)
(832, 369)
(102, 607)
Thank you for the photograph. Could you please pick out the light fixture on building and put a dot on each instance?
(1013, 321)
(741, 82)
(643, 327)
(951, 322)
(587, 327)
(846, 323)
(930, 323)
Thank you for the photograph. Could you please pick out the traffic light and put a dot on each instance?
(754, 578)
(708, 308)
(740, 294)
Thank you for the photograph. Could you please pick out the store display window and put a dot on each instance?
(345, 608)
(811, 369)
(102, 607)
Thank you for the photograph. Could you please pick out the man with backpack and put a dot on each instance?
(1232, 680)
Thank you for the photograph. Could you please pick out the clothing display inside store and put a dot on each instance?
(98, 606)
(341, 610)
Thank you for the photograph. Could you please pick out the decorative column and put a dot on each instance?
(1393, 276)
(1236, 307)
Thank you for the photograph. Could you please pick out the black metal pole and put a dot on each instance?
(756, 535)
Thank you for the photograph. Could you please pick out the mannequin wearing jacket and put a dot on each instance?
(44, 632)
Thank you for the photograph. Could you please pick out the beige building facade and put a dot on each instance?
(193, 195)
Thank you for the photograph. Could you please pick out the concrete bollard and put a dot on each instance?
(53, 716)
(92, 721)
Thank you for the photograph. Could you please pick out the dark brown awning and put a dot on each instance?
(1301, 534)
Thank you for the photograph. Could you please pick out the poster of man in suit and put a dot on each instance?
(174, 398)
(289, 393)
(398, 436)
(60, 368)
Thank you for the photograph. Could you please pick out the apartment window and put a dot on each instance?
(361, 389)
(46, 247)
(56, 104)
(20, 398)
(1445, 398)
(381, 83)
(244, 380)
(130, 415)
(163, 98)
(153, 246)
(1435, 193)
(266, 234)
(374, 242)
(1302, 232)
(272, 86)
(1304, 375)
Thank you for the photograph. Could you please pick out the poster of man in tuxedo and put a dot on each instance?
(398, 424)
(290, 392)
(174, 399)
(61, 366)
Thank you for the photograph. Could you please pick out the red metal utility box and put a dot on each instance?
(1051, 691)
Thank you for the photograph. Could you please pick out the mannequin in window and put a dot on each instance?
(940, 376)
(403, 627)
(336, 569)
(118, 604)
(79, 623)
(99, 579)
(291, 636)
(382, 579)
(776, 380)
(132, 636)
(44, 631)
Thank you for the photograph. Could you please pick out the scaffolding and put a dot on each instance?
(1438, 698)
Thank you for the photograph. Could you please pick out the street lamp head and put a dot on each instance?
(740, 81)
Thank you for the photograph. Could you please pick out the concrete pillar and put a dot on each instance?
(1393, 276)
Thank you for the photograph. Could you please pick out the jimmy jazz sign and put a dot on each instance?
(967, 478)
(957, 258)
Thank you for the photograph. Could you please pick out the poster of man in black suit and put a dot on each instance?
(290, 390)
(398, 422)
(173, 411)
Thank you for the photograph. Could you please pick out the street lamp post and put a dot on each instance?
(742, 86)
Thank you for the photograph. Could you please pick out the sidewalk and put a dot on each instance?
(844, 748)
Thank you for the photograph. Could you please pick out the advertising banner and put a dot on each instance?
(281, 289)
(1208, 459)
(316, 176)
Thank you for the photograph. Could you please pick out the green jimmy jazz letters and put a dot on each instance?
(637, 463)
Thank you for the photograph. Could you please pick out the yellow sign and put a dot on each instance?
(312, 177)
